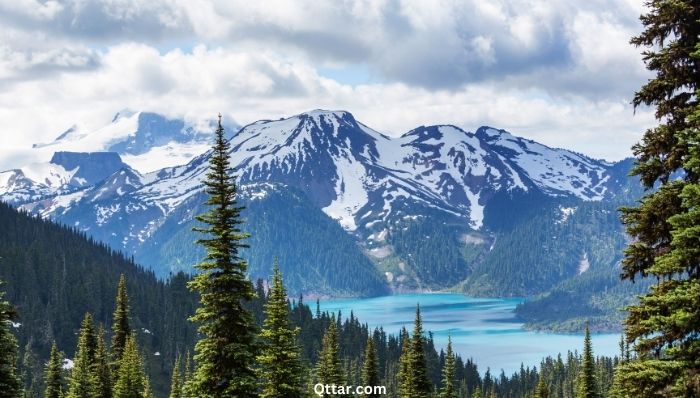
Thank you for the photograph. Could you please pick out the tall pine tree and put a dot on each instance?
(329, 370)
(370, 368)
(121, 327)
(414, 381)
(449, 389)
(665, 227)
(587, 384)
(131, 381)
(176, 379)
(280, 357)
(226, 353)
(10, 386)
(541, 391)
(82, 382)
(53, 374)
(101, 368)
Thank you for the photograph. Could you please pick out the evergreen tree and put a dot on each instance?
(225, 354)
(31, 371)
(280, 358)
(414, 381)
(147, 391)
(329, 370)
(120, 321)
(370, 371)
(405, 374)
(82, 383)
(10, 386)
(53, 375)
(131, 380)
(477, 393)
(587, 384)
(449, 389)
(663, 326)
(541, 391)
(176, 380)
(186, 377)
(101, 368)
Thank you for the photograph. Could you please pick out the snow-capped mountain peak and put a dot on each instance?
(357, 176)
(146, 141)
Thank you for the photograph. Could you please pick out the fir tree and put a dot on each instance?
(280, 362)
(329, 370)
(120, 321)
(405, 375)
(587, 384)
(101, 368)
(82, 383)
(370, 371)
(176, 380)
(225, 354)
(448, 373)
(53, 375)
(131, 381)
(477, 393)
(10, 386)
(187, 376)
(662, 326)
(541, 391)
(147, 391)
(414, 381)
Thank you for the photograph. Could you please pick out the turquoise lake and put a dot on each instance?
(484, 329)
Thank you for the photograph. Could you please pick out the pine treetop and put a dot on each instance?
(120, 322)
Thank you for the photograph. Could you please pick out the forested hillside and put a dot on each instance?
(54, 275)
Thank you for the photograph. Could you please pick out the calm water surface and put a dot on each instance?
(483, 329)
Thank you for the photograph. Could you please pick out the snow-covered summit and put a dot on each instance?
(146, 141)
(356, 175)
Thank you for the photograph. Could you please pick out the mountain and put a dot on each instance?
(433, 208)
(145, 141)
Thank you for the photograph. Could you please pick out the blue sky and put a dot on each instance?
(559, 72)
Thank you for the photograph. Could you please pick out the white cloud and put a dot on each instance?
(560, 72)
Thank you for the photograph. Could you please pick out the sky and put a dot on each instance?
(560, 72)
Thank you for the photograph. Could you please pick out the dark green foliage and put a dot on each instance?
(538, 253)
(186, 377)
(663, 326)
(449, 389)
(131, 382)
(176, 381)
(102, 368)
(431, 248)
(121, 328)
(587, 383)
(542, 391)
(55, 275)
(413, 376)
(329, 369)
(370, 371)
(280, 358)
(10, 386)
(226, 352)
(53, 375)
(82, 382)
(30, 371)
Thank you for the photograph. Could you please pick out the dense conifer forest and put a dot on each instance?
(78, 320)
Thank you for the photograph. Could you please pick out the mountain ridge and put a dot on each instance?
(440, 179)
